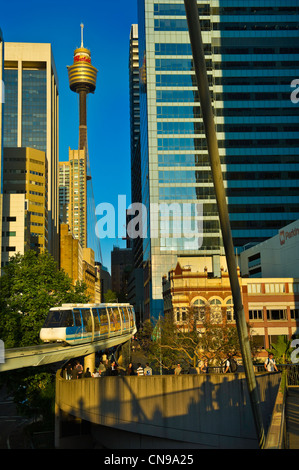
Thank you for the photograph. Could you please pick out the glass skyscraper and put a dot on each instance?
(252, 56)
(2, 97)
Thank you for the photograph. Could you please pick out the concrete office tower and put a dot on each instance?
(252, 56)
(25, 201)
(2, 97)
(31, 115)
(73, 194)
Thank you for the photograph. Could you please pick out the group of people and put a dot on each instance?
(231, 365)
(147, 370)
(76, 371)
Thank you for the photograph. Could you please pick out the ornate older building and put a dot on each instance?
(271, 305)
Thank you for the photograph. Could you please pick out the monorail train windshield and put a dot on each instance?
(59, 318)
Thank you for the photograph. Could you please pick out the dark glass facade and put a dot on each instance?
(34, 125)
(252, 56)
(10, 124)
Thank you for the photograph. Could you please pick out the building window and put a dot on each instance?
(277, 314)
(274, 288)
(254, 288)
(295, 313)
(256, 314)
(230, 315)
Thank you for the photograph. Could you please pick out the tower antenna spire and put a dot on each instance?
(82, 26)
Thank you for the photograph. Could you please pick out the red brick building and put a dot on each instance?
(271, 305)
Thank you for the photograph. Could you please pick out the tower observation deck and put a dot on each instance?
(82, 80)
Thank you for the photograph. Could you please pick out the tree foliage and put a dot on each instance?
(202, 335)
(30, 285)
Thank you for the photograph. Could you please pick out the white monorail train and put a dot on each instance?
(83, 323)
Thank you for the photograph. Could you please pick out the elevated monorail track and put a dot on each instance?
(38, 355)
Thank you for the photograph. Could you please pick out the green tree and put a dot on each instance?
(30, 285)
(202, 335)
(110, 296)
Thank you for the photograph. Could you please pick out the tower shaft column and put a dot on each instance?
(82, 120)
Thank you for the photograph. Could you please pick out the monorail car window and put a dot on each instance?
(87, 322)
(78, 320)
(96, 319)
(59, 318)
(103, 320)
(131, 317)
(126, 317)
(114, 319)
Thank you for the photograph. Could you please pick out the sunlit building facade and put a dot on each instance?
(31, 115)
(252, 56)
(73, 194)
(2, 97)
(25, 221)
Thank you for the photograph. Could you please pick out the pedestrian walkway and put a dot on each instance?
(292, 417)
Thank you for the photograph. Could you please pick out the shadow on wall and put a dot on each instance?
(201, 411)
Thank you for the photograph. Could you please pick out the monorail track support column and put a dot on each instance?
(210, 132)
(90, 361)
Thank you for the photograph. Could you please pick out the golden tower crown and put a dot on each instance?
(82, 75)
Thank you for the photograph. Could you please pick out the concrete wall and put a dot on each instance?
(198, 411)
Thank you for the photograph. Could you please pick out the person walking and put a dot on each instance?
(74, 373)
(87, 373)
(140, 371)
(96, 373)
(230, 364)
(205, 367)
(178, 369)
(114, 368)
(270, 364)
(147, 370)
(79, 370)
(130, 369)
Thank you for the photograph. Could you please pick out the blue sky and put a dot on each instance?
(106, 33)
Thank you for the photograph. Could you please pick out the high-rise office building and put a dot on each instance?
(2, 97)
(25, 222)
(31, 115)
(252, 56)
(73, 194)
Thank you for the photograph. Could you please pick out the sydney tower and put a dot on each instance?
(82, 79)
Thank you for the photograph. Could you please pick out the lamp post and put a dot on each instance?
(208, 119)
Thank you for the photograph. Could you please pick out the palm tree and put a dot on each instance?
(281, 349)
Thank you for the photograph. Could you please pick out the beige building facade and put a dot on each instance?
(24, 174)
(71, 254)
(73, 194)
(15, 226)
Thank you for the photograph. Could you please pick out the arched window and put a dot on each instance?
(199, 308)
